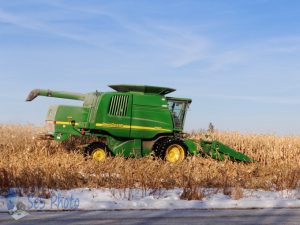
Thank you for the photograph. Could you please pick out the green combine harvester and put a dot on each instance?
(132, 121)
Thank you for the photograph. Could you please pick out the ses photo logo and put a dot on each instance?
(17, 206)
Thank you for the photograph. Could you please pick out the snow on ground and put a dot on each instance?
(111, 199)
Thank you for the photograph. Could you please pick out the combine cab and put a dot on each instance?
(133, 121)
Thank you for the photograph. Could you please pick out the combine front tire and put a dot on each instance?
(170, 149)
(98, 151)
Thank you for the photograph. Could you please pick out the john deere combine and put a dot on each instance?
(132, 121)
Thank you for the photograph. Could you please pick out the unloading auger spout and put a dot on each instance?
(56, 94)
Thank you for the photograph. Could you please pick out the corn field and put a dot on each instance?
(27, 162)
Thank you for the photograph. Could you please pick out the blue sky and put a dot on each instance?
(238, 60)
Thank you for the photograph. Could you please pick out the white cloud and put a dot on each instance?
(177, 44)
(10, 18)
(258, 99)
(44, 27)
(289, 44)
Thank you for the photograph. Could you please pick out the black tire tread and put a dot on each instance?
(92, 146)
(160, 147)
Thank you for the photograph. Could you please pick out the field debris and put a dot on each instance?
(30, 163)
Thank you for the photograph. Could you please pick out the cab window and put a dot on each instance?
(177, 109)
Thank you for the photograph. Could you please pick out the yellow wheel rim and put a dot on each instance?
(175, 153)
(99, 154)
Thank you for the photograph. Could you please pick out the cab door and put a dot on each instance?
(178, 110)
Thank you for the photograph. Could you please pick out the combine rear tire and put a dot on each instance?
(98, 151)
(170, 149)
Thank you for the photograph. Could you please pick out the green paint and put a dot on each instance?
(130, 120)
(193, 146)
(218, 150)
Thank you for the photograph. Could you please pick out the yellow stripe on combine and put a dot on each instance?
(64, 123)
(114, 125)
(149, 128)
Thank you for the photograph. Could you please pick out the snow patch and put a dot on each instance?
(112, 199)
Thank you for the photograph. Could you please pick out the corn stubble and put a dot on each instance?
(28, 162)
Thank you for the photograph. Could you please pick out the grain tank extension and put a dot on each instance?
(133, 121)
